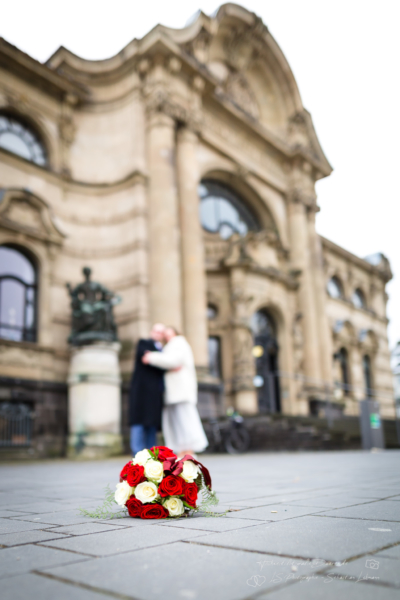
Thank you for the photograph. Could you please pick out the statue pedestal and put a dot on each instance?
(94, 395)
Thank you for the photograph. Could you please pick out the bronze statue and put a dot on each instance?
(92, 312)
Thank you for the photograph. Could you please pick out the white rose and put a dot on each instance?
(141, 457)
(154, 470)
(190, 471)
(146, 491)
(123, 493)
(174, 506)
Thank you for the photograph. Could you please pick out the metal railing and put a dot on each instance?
(15, 424)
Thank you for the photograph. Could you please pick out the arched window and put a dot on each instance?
(335, 288)
(265, 352)
(263, 324)
(358, 299)
(19, 138)
(212, 312)
(366, 363)
(18, 296)
(343, 358)
(223, 212)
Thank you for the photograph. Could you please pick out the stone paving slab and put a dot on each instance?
(273, 512)
(329, 538)
(327, 589)
(210, 523)
(391, 552)
(200, 573)
(250, 554)
(381, 510)
(28, 537)
(31, 585)
(123, 540)
(377, 569)
(22, 559)
(84, 528)
(66, 517)
(10, 526)
(12, 513)
(334, 501)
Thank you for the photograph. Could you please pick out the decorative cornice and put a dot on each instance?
(384, 274)
(19, 63)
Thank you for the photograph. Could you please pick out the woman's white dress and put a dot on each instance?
(182, 428)
(181, 424)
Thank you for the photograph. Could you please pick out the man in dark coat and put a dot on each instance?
(146, 394)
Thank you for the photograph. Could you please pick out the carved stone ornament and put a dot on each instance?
(159, 100)
(245, 44)
(67, 129)
(92, 312)
(24, 212)
(199, 47)
(240, 93)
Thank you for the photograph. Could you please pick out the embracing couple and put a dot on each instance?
(164, 392)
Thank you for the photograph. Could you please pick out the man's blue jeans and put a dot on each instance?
(142, 437)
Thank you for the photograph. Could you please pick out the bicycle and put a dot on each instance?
(233, 438)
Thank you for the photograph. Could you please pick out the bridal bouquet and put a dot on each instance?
(156, 485)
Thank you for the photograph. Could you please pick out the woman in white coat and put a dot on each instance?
(181, 424)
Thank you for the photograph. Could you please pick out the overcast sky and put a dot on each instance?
(345, 57)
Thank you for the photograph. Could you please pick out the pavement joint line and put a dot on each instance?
(45, 545)
(31, 543)
(84, 586)
(267, 553)
(96, 556)
(330, 563)
(350, 518)
(213, 530)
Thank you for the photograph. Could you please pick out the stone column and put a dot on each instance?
(242, 340)
(324, 334)
(193, 266)
(164, 264)
(300, 258)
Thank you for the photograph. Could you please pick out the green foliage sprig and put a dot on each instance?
(104, 511)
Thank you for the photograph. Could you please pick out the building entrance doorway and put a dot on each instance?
(265, 351)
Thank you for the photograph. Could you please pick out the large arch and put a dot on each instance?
(233, 181)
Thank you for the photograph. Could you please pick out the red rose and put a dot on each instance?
(171, 486)
(153, 511)
(191, 493)
(134, 507)
(124, 471)
(163, 453)
(135, 475)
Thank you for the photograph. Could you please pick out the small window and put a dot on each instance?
(366, 363)
(359, 299)
(343, 358)
(18, 296)
(18, 138)
(223, 212)
(212, 312)
(214, 356)
(335, 288)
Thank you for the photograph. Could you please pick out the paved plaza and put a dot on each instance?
(301, 525)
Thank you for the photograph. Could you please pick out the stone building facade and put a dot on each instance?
(182, 171)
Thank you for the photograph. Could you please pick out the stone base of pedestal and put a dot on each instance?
(94, 445)
(94, 401)
(246, 402)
